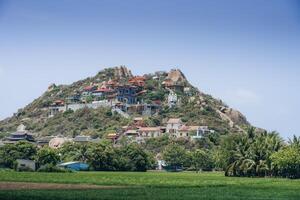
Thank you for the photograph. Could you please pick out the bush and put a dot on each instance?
(286, 162)
(52, 168)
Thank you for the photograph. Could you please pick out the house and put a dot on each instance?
(187, 131)
(172, 99)
(134, 135)
(76, 166)
(131, 133)
(90, 88)
(102, 93)
(127, 94)
(202, 130)
(86, 94)
(187, 91)
(44, 141)
(138, 81)
(23, 164)
(173, 125)
(20, 135)
(58, 102)
(112, 136)
(195, 132)
(150, 132)
(137, 119)
(150, 109)
(112, 84)
(73, 99)
(53, 110)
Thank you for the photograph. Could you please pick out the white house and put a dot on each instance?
(150, 132)
(173, 125)
(25, 164)
(172, 99)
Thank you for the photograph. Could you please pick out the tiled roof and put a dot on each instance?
(19, 133)
(103, 90)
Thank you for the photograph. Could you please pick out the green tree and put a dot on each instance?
(295, 142)
(74, 152)
(174, 155)
(249, 154)
(47, 155)
(286, 162)
(138, 158)
(11, 152)
(202, 160)
(102, 157)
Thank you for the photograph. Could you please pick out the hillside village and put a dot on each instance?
(148, 106)
(124, 96)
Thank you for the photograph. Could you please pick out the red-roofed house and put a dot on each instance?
(90, 88)
(137, 81)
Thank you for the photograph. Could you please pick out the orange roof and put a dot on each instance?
(88, 87)
(139, 78)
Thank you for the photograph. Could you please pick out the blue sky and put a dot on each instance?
(244, 52)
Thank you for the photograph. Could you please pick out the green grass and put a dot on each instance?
(153, 185)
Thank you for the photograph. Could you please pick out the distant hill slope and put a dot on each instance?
(169, 94)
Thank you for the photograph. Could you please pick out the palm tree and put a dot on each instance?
(251, 154)
(295, 142)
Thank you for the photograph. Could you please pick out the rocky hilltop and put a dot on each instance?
(115, 98)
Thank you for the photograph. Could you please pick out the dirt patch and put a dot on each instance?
(50, 186)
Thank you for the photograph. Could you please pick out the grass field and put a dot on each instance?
(152, 185)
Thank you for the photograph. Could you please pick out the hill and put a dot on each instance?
(112, 99)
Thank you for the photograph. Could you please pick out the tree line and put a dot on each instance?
(255, 154)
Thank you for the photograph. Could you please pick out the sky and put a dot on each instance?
(246, 53)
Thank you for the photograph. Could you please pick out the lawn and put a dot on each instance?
(153, 185)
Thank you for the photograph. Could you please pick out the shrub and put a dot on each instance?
(24, 169)
(52, 168)
(286, 162)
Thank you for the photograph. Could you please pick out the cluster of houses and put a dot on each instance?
(174, 128)
(135, 132)
(122, 96)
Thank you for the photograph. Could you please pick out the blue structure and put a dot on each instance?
(127, 94)
(76, 166)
